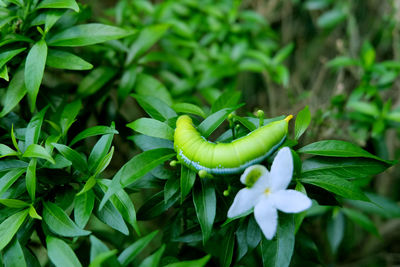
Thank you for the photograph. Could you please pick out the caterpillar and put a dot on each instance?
(196, 152)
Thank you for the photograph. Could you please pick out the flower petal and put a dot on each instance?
(281, 170)
(290, 201)
(244, 200)
(263, 183)
(267, 217)
(251, 174)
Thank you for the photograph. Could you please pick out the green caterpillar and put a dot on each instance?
(197, 153)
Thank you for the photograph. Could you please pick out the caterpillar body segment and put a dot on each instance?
(226, 158)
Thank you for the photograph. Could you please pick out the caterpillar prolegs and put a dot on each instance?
(196, 152)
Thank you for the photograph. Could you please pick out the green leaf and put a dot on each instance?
(394, 116)
(67, 61)
(281, 75)
(387, 78)
(33, 213)
(61, 162)
(14, 140)
(242, 247)
(213, 121)
(93, 131)
(190, 237)
(391, 208)
(4, 73)
(317, 4)
(40, 19)
(78, 162)
(69, 114)
(303, 119)
(10, 226)
(170, 188)
(90, 183)
(100, 150)
(279, 251)
(36, 151)
(252, 65)
(154, 259)
(174, 61)
(8, 55)
(136, 168)
(181, 28)
(123, 204)
(155, 206)
(188, 178)
(299, 217)
(335, 230)
(71, 4)
(347, 168)
(102, 257)
(391, 64)
(228, 99)
(83, 208)
(366, 108)
(282, 54)
(194, 263)
(188, 108)
(87, 34)
(8, 165)
(60, 254)
(34, 69)
(331, 18)
(155, 107)
(205, 202)
(9, 178)
(361, 220)
(7, 17)
(6, 151)
(13, 203)
(227, 247)
(246, 123)
(149, 86)
(127, 83)
(379, 205)
(210, 94)
(31, 260)
(128, 254)
(152, 127)
(13, 255)
(52, 16)
(97, 247)
(253, 233)
(336, 148)
(338, 186)
(367, 55)
(59, 222)
(104, 162)
(145, 142)
(32, 132)
(261, 57)
(95, 80)
(13, 38)
(146, 38)
(342, 61)
(111, 216)
(30, 179)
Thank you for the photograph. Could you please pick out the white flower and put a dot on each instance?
(266, 192)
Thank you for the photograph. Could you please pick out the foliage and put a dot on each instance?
(365, 107)
(89, 104)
